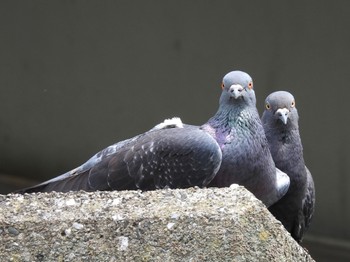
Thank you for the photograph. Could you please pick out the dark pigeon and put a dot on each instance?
(280, 121)
(173, 155)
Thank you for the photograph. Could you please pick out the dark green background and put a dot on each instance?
(76, 76)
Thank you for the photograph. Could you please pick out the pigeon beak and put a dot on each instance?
(283, 114)
(236, 91)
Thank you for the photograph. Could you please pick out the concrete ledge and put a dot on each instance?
(227, 224)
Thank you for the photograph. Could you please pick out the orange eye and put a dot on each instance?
(222, 85)
(268, 107)
(293, 104)
(250, 85)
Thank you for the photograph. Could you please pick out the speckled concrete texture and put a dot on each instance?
(227, 224)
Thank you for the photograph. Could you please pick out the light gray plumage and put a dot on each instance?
(232, 144)
(280, 121)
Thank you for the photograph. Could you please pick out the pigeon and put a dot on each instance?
(231, 145)
(246, 159)
(280, 121)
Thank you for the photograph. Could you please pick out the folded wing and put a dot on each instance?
(169, 157)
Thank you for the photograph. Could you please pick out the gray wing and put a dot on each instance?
(170, 157)
(174, 122)
(309, 200)
(307, 210)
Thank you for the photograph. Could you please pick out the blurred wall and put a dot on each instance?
(76, 76)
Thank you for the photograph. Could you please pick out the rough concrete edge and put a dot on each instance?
(160, 204)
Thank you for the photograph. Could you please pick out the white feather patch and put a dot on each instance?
(169, 123)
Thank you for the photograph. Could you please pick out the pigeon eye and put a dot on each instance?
(293, 104)
(250, 85)
(222, 85)
(267, 105)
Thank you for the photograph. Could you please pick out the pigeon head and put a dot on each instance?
(280, 108)
(237, 87)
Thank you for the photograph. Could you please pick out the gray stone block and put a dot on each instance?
(227, 224)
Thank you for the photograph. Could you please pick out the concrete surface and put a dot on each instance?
(194, 224)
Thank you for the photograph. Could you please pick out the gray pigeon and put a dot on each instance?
(280, 121)
(246, 159)
(232, 145)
